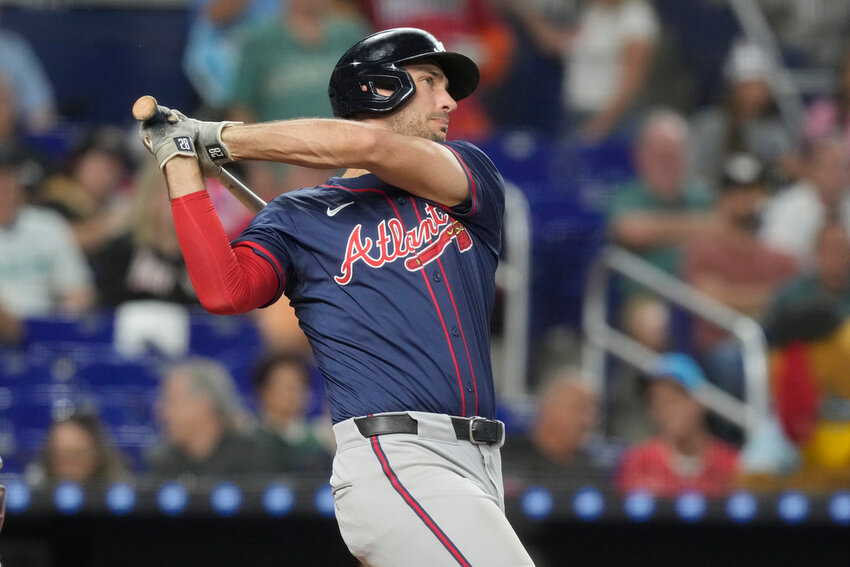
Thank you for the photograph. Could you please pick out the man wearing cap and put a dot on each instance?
(683, 455)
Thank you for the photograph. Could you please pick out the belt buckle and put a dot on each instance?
(483, 429)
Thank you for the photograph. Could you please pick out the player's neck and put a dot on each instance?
(355, 172)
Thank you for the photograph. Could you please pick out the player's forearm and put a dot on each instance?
(183, 176)
(311, 142)
(422, 167)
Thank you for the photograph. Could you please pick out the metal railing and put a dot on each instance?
(782, 84)
(601, 338)
(512, 276)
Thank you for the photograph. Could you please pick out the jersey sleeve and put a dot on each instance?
(268, 234)
(484, 209)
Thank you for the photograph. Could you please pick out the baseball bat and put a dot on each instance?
(146, 110)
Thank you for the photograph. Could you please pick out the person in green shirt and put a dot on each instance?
(653, 214)
(283, 63)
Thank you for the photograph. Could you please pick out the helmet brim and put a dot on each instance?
(461, 71)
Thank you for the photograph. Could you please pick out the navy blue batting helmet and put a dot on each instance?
(377, 62)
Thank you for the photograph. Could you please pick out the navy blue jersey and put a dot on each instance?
(394, 292)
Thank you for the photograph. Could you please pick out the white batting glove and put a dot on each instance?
(174, 137)
(212, 149)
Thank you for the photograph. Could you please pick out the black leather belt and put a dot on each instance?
(477, 430)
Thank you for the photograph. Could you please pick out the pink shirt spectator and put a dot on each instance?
(752, 270)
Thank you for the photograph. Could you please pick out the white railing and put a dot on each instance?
(602, 338)
(513, 278)
(785, 89)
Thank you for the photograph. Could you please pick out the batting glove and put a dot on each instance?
(167, 139)
(213, 149)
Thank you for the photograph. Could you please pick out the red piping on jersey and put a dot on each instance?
(437, 308)
(462, 335)
(448, 341)
(460, 326)
(415, 506)
(261, 250)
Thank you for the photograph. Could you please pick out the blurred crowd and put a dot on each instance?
(732, 194)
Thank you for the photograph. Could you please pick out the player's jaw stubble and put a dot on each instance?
(421, 125)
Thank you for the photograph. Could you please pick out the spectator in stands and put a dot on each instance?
(747, 120)
(144, 262)
(556, 445)
(33, 165)
(810, 355)
(795, 214)
(683, 455)
(831, 114)
(607, 57)
(649, 321)
(89, 191)
(42, 271)
(283, 71)
(733, 266)
(36, 101)
(211, 55)
(827, 281)
(282, 383)
(78, 448)
(806, 326)
(662, 207)
(471, 27)
(206, 429)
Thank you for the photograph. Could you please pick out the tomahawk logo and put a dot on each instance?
(420, 245)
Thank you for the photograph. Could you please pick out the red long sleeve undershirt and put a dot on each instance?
(227, 279)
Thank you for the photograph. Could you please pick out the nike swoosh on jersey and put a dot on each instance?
(335, 210)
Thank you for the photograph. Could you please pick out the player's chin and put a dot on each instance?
(439, 136)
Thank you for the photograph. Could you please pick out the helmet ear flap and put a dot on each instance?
(353, 92)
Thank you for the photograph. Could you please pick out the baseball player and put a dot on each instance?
(390, 269)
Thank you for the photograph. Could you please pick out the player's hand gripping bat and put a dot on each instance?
(146, 110)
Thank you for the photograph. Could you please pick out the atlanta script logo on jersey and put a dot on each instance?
(420, 245)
